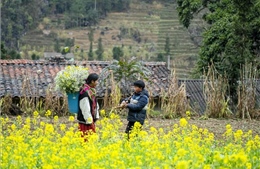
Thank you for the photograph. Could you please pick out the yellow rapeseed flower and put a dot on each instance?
(181, 152)
(228, 126)
(48, 113)
(19, 119)
(56, 118)
(152, 129)
(42, 124)
(188, 113)
(248, 165)
(114, 116)
(206, 166)
(48, 145)
(71, 118)
(2, 120)
(182, 165)
(62, 127)
(13, 127)
(47, 166)
(49, 128)
(242, 158)
(102, 112)
(183, 122)
(238, 134)
(35, 114)
(28, 121)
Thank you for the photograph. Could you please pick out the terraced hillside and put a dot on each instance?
(151, 22)
(183, 52)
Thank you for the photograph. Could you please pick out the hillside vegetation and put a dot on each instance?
(142, 30)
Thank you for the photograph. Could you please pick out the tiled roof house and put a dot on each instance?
(40, 74)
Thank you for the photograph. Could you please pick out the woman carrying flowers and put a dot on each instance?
(88, 107)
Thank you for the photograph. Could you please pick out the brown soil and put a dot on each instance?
(216, 126)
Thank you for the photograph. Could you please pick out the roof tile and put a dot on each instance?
(40, 74)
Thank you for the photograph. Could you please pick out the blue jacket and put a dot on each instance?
(137, 107)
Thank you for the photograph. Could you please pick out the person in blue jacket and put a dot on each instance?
(137, 105)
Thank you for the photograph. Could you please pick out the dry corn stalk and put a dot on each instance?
(247, 92)
(174, 102)
(215, 88)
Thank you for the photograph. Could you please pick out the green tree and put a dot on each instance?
(92, 17)
(69, 42)
(232, 38)
(35, 57)
(160, 57)
(125, 72)
(57, 45)
(9, 53)
(100, 50)
(59, 6)
(13, 54)
(105, 6)
(91, 35)
(81, 54)
(117, 53)
(17, 17)
(3, 51)
(91, 39)
(167, 47)
(90, 53)
(120, 5)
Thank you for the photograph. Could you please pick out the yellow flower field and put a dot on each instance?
(31, 143)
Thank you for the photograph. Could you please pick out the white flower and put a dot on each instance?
(71, 79)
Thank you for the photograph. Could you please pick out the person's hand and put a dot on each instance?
(124, 105)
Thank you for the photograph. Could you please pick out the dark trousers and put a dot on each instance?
(129, 127)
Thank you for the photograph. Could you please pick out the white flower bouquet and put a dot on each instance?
(71, 79)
